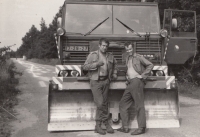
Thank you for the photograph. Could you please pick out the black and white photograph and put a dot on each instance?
(93, 68)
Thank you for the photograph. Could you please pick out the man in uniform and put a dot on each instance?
(138, 68)
(101, 67)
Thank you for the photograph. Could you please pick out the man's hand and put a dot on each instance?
(114, 76)
(100, 63)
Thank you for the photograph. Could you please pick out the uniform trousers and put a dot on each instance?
(100, 90)
(133, 93)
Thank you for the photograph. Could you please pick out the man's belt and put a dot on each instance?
(129, 80)
(103, 77)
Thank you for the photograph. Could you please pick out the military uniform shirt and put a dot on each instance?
(131, 71)
(103, 69)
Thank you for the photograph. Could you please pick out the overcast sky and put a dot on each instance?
(17, 17)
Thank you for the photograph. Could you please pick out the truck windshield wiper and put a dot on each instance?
(95, 27)
(128, 28)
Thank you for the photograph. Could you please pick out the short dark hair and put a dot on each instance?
(126, 44)
(104, 40)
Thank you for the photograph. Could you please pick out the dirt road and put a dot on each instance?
(32, 109)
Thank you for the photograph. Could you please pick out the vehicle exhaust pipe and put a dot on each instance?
(143, 1)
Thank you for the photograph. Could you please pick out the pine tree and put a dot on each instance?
(28, 42)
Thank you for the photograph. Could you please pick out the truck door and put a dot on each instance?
(181, 43)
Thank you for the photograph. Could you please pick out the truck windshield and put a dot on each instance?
(139, 18)
(81, 18)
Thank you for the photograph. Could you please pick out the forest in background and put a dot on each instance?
(39, 43)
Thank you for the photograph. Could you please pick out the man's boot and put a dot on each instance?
(98, 128)
(109, 129)
(139, 131)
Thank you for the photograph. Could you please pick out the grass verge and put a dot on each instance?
(8, 93)
(189, 89)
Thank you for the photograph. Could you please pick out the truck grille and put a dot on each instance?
(145, 48)
(76, 57)
(117, 52)
(152, 50)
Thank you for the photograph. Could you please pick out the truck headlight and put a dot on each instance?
(159, 73)
(74, 73)
(163, 33)
(64, 73)
(60, 31)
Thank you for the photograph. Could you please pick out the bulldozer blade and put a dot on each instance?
(162, 108)
(70, 110)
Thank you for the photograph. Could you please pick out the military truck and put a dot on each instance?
(83, 23)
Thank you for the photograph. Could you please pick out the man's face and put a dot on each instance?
(103, 47)
(129, 49)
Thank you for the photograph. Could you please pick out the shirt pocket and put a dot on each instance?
(137, 65)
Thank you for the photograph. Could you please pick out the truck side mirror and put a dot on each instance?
(59, 21)
(174, 23)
